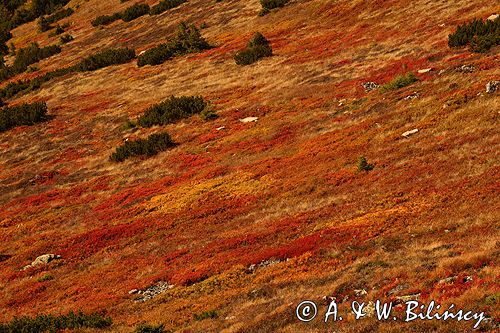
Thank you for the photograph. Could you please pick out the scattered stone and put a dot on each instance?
(398, 288)
(220, 128)
(360, 292)
(442, 25)
(369, 86)
(423, 71)
(466, 69)
(249, 119)
(492, 87)
(42, 260)
(265, 263)
(412, 96)
(142, 52)
(411, 132)
(493, 17)
(152, 291)
(133, 291)
(450, 279)
(406, 298)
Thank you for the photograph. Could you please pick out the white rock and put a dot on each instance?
(142, 53)
(408, 133)
(492, 87)
(425, 70)
(493, 17)
(249, 119)
(220, 128)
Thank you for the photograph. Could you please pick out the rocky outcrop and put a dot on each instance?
(492, 87)
(44, 259)
(369, 86)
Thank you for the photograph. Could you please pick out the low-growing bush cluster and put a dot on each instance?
(257, 48)
(267, 5)
(480, 35)
(172, 110)
(19, 115)
(129, 14)
(165, 5)
(50, 323)
(151, 146)
(22, 14)
(399, 82)
(45, 22)
(105, 58)
(94, 62)
(188, 39)
(26, 57)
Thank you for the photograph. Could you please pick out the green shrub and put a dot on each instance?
(267, 5)
(65, 39)
(50, 323)
(106, 19)
(59, 15)
(187, 40)
(172, 110)
(43, 24)
(480, 35)
(19, 115)
(363, 164)
(257, 48)
(399, 82)
(206, 315)
(45, 277)
(105, 58)
(165, 5)
(151, 146)
(135, 11)
(146, 328)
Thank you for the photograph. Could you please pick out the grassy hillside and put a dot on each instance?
(285, 193)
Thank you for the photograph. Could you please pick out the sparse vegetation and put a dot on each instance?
(50, 323)
(19, 115)
(151, 146)
(363, 164)
(212, 314)
(480, 35)
(45, 277)
(172, 110)
(65, 39)
(187, 40)
(399, 82)
(165, 5)
(258, 47)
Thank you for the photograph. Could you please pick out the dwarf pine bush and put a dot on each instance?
(165, 5)
(135, 11)
(480, 35)
(257, 48)
(106, 19)
(105, 58)
(267, 5)
(172, 110)
(363, 164)
(188, 39)
(399, 82)
(50, 323)
(146, 328)
(151, 146)
(19, 115)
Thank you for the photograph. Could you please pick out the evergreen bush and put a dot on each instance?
(188, 39)
(151, 146)
(165, 5)
(135, 11)
(257, 48)
(480, 35)
(172, 110)
(19, 115)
